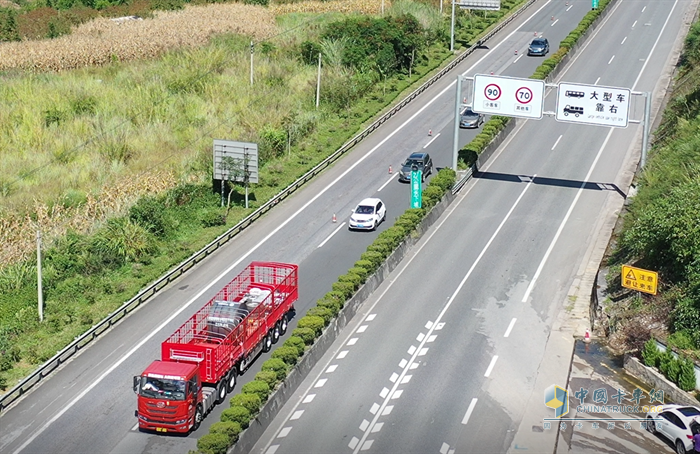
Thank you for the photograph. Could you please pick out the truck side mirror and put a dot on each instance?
(137, 379)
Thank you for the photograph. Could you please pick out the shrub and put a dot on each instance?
(287, 354)
(213, 443)
(650, 353)
(268, 376)
(325, 313)
(351, 278)
(382, 246)
(313, 322)
(686, 374)
(296, 342)
(250, 402)
(346, 288)
(148, 213)
(362, 273)
(276, 365)
(669, 366)
(394, 235)
(228, 428)
(212, 217)
(257, 387)
(308, 335)
(331, 304)
(237, 414)
(374, 257)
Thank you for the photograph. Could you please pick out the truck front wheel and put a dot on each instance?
(198, 416)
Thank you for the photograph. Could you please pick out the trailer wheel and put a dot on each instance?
(221, 391)
(267, 343)
(198, 416)
(276, 333)
(232, 378)
(283, 324)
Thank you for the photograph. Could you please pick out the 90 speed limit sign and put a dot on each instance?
(508, 96)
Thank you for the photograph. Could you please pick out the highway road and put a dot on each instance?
(446, 353)
(88, 405)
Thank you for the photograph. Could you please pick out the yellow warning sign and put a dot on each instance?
(639, 279)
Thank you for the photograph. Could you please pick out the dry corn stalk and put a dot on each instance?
(349, 6)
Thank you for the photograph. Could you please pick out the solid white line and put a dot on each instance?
(510, 327)
(596, 81)
(136, 426)
(391, 178)
(431, 140)
(490, 368)
(635, 23)
(519, 57)
(469, 411)
(643, 9)
(611, 59)
(654, 46)
(571, 6)
(554, 23)
(557, 142)
(331, 235)
(623, 41)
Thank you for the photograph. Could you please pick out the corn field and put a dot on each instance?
(103, 41)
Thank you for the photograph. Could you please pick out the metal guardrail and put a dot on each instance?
(59, 358)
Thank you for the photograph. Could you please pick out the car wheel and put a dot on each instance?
(680, 447)
(283, 324)
(651, 426)
(221, 391)
(232, 378)
(275, 333)
(267, 343)
(198, 416)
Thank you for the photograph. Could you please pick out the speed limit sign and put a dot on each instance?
(508, 96)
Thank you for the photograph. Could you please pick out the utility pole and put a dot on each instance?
(452, 29)
(251, 63)
(318, 82)
(38, 276)
(455, 142)
(645, 128)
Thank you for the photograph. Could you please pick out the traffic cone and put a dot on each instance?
(587, 337)
(492, 73)
(552, 17)
(389, 169)
(334, 218)
(464, 101)
(535, 33)
(516, 51)
(430, 132)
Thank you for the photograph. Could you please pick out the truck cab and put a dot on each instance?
(169, 397)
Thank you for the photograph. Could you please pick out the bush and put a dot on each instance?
(251, 402)
(213, 443)
(374, 257)
(268, 376)
(351, 278)
(296, 342)
(394, 235)
(148, 213)
(287, 354)
(360, 272)
(257, 387)
(669, 366)
(228, 428)
(346, 288)
(237, 415)
(308, 335)
(313, 322)
(686, 374)
(332, 305)
(650, 353)
(212, 217)
(325, 313)
(382, 246)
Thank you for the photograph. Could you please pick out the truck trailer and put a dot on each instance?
(201, 361)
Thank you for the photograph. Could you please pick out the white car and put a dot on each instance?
(673, 422)
(368, 215)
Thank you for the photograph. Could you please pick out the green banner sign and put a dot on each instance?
(594, 4)
(416, 188)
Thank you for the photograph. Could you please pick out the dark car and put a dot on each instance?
(470, 119)
(421, 160)
(538, 46)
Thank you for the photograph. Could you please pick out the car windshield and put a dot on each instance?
(469, 113)
(364, 209)
(413, 162)
(162, 388)
(689, 412)
(538, 42)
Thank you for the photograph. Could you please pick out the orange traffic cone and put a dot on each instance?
(334, 218)
(587, 337)
(430, 132)
(516, 51)
(389, 169)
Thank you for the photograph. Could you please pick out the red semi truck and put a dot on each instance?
(203, 358)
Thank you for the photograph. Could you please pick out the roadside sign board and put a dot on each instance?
(594, 4)
(491, 5)
(236, 161)
(416, 189)
(593, 105)
(508, 96)
(639, 279)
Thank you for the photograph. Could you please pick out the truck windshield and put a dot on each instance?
(160, 388)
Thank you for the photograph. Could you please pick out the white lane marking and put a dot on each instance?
(431, 140)
(403, 363)
(331, 368)
(387, 182)
(439, 326)
(331, 235)
(413, 366)
(623, 40)
(375, 408)
(387, 410)
(308, 398)
(490, 368)
(452, 297)
(570, 6)
(284, 432)
(342, 354)
(362, 329)
(352, 341)
(429, 325)
(635, 23)
(510, 327)
(643, 9)
(611, 59)
(377, 427)
(397, 394)
(432, 338)
(423, 351)
(136, 426)
(596, 81)
(353, 442)
(444, 448)
(367, 444)
(297, 414)
(370, 317)
(557, 142)
(412, 349)
(394, 377)
(420, 337)
(272, 449)
(595, 161)
(472, 404)
(518, 58)
(406, 379)
(364, 424)
(320, 383)
(554, 23)
(384, 393)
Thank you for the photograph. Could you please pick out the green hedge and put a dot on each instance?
(249, 401)
(325, 313)
(213, 443)
(238, 415)
(231, 429)
(308, 335)
(313, 322)
(296, 342)
(268, 376)
(287, 354)
(680, 371)
(257, 387)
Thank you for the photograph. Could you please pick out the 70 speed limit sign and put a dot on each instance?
(508, 96)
